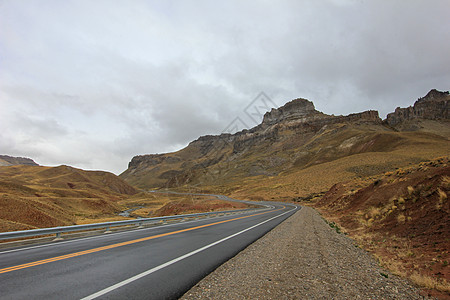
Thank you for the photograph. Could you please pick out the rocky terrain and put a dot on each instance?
(6, 160)
(434, 106)
(294, 137)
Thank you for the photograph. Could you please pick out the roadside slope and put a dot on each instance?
(302, 258)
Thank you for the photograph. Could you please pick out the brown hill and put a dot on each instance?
(297, 149)
(34, 196)
(402, 217)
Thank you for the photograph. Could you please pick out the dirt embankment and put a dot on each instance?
(302, 258)
(403, 218)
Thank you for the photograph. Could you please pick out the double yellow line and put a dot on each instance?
(80, 253)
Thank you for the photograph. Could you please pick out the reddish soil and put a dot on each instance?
(402, 217)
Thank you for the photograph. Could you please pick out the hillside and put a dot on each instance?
(298, 150)
(36, 197)
(402, 217)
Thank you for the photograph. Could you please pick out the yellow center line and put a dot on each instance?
(75, 254)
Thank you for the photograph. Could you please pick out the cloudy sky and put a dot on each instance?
(93, 83)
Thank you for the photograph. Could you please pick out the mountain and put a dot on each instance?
(434, 106)
(35, 196)
(295, 143)
(6, 160)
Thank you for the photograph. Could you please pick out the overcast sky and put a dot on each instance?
(93, 83)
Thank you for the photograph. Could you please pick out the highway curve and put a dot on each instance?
(150, 263)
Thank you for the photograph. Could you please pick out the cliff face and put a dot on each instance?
(249, 151)
(434, 106)
(298, 109)
(6, 160)
(293, 136)
(299, 115)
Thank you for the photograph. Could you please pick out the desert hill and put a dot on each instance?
(299, 149)
(35, 196)
(6, 160)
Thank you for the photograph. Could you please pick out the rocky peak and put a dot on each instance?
(434, 106)
(435, 95)
(296, 109)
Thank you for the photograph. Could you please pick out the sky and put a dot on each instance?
(93, 83)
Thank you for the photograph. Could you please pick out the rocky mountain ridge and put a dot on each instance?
(294, 135)
(434, 106)
(298, 114)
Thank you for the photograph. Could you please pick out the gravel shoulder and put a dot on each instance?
(302, 258)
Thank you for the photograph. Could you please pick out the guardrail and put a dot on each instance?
(107, 225)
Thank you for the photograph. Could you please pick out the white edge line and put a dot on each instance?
(148, 272)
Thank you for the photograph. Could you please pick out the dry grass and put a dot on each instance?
(430, 282)
(401, 218)
(36, 197)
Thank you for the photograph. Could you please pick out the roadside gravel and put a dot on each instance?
(302, 258)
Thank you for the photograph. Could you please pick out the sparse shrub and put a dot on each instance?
(374, 212)
(384, 275)
(410, 190)
(401, 218)
(430, 282)
(442, 195)
(400, 172)
(334, 226)
(394, 207)
(401, 200)
(446, 182)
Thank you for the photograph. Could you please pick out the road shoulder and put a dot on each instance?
(301, 258)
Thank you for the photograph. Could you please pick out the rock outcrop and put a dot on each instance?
(6, 160)
(289, 126)
(434, 106)
(298, 109)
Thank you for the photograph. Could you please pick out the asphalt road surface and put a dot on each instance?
(150, 263)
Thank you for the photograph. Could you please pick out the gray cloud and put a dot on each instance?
(92, 83)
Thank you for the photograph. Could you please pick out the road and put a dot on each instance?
(151, 263)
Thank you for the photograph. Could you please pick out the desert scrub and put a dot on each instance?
(401, 218)
(333, 225)
(430, 282)
(446, 182)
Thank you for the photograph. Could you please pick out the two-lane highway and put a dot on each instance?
(151, 263)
